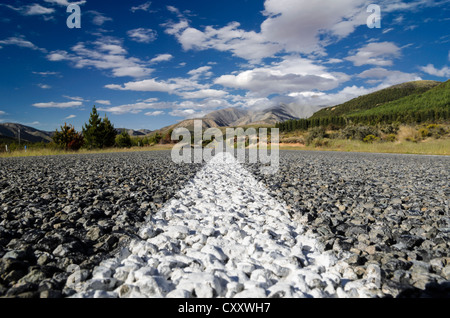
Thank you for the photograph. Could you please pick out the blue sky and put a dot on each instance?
(149, 64)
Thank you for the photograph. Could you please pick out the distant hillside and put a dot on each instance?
(430, 105)
(134, 133)
(238, 117)
(9, 132)
(425, 101)
(376, 99)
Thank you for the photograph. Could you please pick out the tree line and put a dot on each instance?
(337, 122)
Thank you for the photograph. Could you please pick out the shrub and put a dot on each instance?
(358, 132)
(68, 138)
(390, 129)
(391, 138)
(321, 142)
(424, 133)
(436, 131)
(314, 133)
(123, 140)
(167, 138)
(370, 139)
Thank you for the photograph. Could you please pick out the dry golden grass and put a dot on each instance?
(55, 152)
(426, 147)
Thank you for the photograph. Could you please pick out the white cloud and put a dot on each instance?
(386, 78)
(431, 70)
(58, 105)
(106, 54)
(99, 18)
(59, 55)
(293, 74)
(161, 58)
(171, 86)
(175, 11)
(201, 71)
(37, 9)
(185, 113)
(45, 74)
(44, 86)
(204, 93)
(291, 26)
(75, 98)
(300, 26)
(155, 113)
(248, 45)
(149, 85)
(71, 117)
(142, 35)
(103, 102)
(21, 42)
(143, 7)
(65, 3)
(375, 53)
(2, 113)
(134, 108)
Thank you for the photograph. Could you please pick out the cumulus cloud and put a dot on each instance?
(44, 86)
(299, 26)
(204, 93)
(203, 71)
(432, 70)
(292, 74)
(155, 113)
(375, 53)
(386, 77)
(171, 86)
(161, 58)
(143, 35)
(106, 54)
(98, 18)
(103, 102)
(65, 3)
(185, 113)
(136, 108)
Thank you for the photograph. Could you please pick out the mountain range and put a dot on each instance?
(11, 132)
(410, 92)
(238, 117)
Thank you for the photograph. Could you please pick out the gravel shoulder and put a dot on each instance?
(390, 211)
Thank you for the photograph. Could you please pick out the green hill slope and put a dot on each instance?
(376, 99)
(425, 101)
(434, 104)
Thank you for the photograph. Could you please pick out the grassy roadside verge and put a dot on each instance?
(55, 152)
(427, 147)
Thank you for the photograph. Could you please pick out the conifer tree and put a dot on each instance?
(108, 133)
(92, 130)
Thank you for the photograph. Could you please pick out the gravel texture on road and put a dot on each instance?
(385, 209)
(384, 219)
(61, 211)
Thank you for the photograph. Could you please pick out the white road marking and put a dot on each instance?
(223, 235)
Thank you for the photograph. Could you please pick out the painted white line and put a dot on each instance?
(223, 235)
